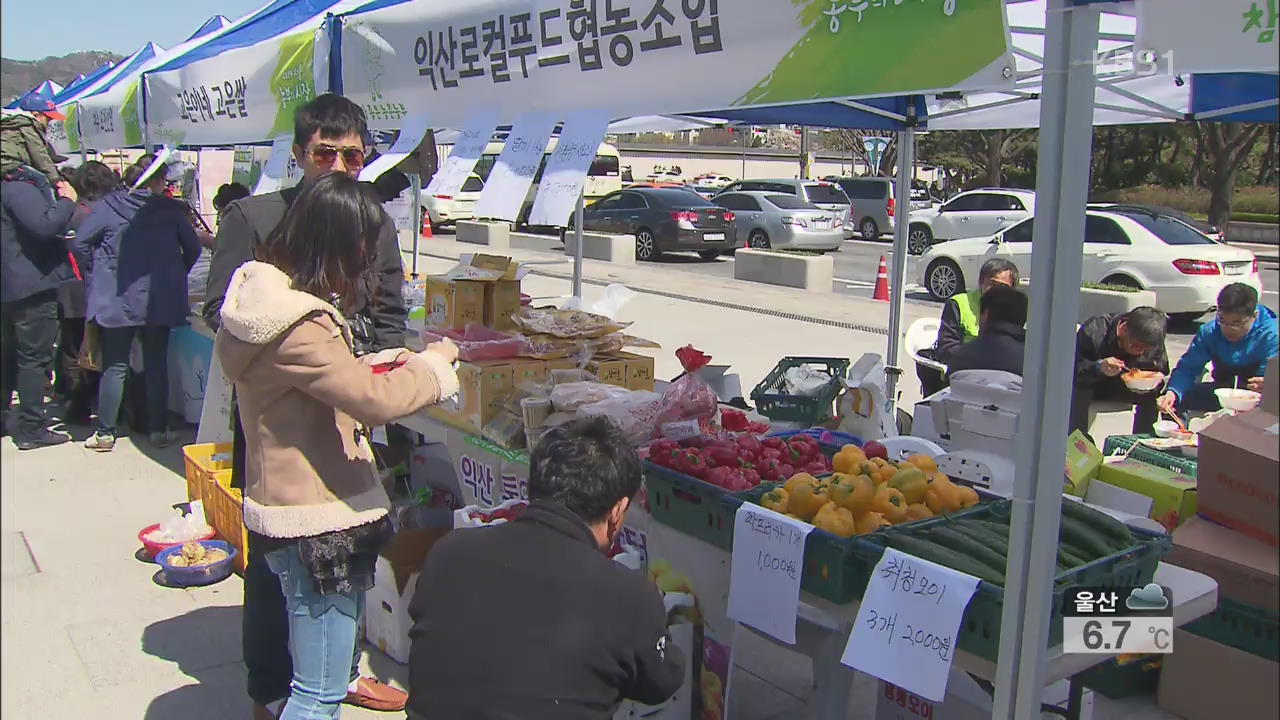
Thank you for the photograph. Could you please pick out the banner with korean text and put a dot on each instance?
(641, 57)
(1225, 36)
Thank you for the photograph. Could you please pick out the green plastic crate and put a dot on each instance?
(1242, 627)
(980, 628)
(1169, 461)
(692, 506)
(776, 405)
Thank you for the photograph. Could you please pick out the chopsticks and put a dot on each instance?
(1176, 419)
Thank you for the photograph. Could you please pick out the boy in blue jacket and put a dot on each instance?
(1239, 341)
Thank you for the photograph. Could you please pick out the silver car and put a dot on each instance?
(778, 220)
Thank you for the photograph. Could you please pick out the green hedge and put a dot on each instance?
(1106, 286)
(1255, 218)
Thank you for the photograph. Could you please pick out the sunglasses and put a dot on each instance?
(326, 155)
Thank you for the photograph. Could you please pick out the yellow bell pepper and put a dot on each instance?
(796, 481)
(890, 503)
(943, 496)
(968, 496)
(775, 500)
(918, 511)
(859, 499)
(911, 482)
(807, 499)
(835, 520)
(839, 486)
(848, 460)
(924, 462)
(869, 522)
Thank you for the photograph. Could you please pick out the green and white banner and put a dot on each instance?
(641, 57)
(111, 119)
(240, 96)
(1221, 36)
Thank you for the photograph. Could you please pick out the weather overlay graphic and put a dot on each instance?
(1117, 620)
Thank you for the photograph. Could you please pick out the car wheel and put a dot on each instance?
(919, 238)
(758, 240)
(709, 255)
(1124, 281)
(646, 245)
(869, 229)
(944, 279)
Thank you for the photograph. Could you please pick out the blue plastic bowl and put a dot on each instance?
(202, 575)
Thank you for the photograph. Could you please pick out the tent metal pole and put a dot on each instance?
(415, 187)
(1066, 134)
(898, 274)
(577, 249)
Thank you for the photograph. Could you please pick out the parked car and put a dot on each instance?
(1211, 231)
(874, 204)
(778, 220)
(826, 195)
(663, 220)
(1123, 245)
(977, 213)
(449, 209)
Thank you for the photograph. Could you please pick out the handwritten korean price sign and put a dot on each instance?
(566, 171)
(508, 184)
(764, 576)
(907, 625)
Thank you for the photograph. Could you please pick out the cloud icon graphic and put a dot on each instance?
(1150, 597)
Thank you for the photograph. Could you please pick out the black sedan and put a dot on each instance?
(663, 220)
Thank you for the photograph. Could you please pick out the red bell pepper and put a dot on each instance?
(751, 476)
(718, 455)
(690, 463)
(775, 443)
(719, 476)
(749, 442)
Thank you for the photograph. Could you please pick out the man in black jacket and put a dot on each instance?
(530, 619)
(1001, 341)
(329, 136)
(1106, 347)
(33, 263)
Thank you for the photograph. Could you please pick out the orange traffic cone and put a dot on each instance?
(882, 283)
(426, 226)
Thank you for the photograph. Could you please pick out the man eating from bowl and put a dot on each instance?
(1238, 341)
(1108, 347)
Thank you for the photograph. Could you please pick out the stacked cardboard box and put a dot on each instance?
(482, 289)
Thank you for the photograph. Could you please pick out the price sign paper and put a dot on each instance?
(567, 167)
(275, 173)
(508, 184)
(466, 152)
(907, 625)
(764, 576)
(412, 129)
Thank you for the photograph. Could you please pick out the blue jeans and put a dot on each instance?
(115, 368)
(322, 635)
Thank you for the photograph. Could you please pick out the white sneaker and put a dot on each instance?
(100, 442)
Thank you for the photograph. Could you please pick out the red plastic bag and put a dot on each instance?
(689, 397)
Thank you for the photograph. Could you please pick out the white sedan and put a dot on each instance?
(1142, 249)
(449, 209)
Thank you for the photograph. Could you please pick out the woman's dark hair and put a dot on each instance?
(94, 180)
(1238, 299)
(333, 116)
(133, 173)
(328, 239)
(229, 193)
(587, 465)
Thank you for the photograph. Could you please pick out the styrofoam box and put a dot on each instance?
(386, 613)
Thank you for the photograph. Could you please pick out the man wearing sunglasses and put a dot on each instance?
(329, 136)
(1106, 347)
(1239, 340)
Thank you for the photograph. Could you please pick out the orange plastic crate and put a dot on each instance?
(204, 462)
(224, 508)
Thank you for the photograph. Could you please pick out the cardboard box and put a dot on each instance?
(530, 371)
(1173, 494)
(561, 364)
(501, 301)
(1247, 570)
(1083, 460)
(483, 389)
(1239, 474)
(639, 371)
(610, 370)
(499, 280)
(1271, 387)
(1205, 680)
(395, 576)
(454, 304)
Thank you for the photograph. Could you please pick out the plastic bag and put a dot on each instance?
(609, 304)
(180, 528)
(570, 397)
(635, 412)
(568, 324)
(479, 343)
(805, 380)
(689, 397)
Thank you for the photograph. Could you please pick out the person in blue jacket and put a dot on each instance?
(1239, 341)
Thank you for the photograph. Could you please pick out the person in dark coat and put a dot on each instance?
(33, 262)
(1002, 336)
(531, 619)
(1106, 347)
(140, 245)
(959, 323)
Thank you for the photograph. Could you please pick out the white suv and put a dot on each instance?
(976, 213)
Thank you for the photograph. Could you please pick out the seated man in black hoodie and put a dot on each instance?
(1106, 347)
(530, 619)
(1001, 336)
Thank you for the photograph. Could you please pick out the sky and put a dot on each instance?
(29, 32)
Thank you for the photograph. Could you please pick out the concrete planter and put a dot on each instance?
(617, 249)
(807, 272)
(1251, 232)
(1094, 302)
(496, 235)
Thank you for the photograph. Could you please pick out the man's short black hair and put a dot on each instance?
(1146, 325)
(998, 266)
(1238, 299)
(586, 465)
(333, 116)
(1004, 304)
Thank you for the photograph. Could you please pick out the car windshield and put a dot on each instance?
(865, 189)
(824, 193)
(790, 202)
(669, 197)
(1170, 230)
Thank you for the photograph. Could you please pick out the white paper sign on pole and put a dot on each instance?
(566, 170)
(480, 125)
(908, 623)
(276, 170)
(508, 184)
(412, 130)
(161, 158)
(764, 573)
(215, 412)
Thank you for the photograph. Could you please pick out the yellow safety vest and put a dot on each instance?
(969, 305)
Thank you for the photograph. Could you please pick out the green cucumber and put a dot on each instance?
(966, 545)
(933, 552)
(1117, 533)
(1084, 536)
(1070, 557)
(984, 534)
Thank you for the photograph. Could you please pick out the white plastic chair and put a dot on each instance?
(922, 335)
